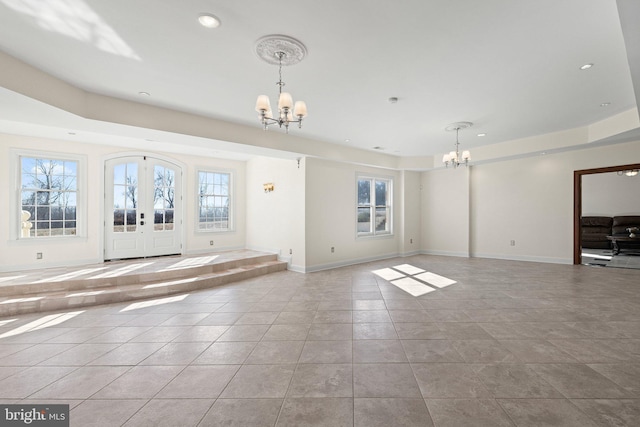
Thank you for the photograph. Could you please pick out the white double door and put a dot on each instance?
(143, 208)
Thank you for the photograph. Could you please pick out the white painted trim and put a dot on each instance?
(347, 263)
(296, 268)
(263, 249)
(412, 253)
(546, 260)
(446, 253)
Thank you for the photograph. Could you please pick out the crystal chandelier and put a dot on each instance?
(454, 158)
(286, 51)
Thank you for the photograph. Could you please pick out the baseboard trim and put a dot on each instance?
(546, 260)
(446, 253)
(347, 263)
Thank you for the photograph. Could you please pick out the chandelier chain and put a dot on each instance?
(280, 82)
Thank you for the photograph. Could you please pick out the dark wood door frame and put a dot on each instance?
(577, 202)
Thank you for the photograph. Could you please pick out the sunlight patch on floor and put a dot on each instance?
(122, 271)
(597, 256)
(7, 279)
(41, 323)
(14, 300)
(173, 283)
(388, 274)
(408, 269)
(404, 277)
(71, 275)
(85, 294)
(6, 322)
(191, 262)
(435, 280)
(412, 286)
(152, 303)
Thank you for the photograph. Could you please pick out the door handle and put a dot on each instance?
(141, 222)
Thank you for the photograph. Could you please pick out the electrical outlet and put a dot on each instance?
(210, 242)
(411, 241)
(513, 243)
(333, 249)
(39, 255)
(290, 251)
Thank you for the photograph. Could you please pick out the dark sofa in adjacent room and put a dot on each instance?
(595, 229)
(594, 232)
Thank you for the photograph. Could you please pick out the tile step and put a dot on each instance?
(54, 299)
(62, 284)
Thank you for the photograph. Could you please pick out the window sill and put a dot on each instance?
(374, 236)
(199, 232)
(26, 241)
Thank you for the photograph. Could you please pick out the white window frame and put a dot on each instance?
(373, 205)
(81, 194)
(231, 205)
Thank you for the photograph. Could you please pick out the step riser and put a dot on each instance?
(26, 290)
(116, 295)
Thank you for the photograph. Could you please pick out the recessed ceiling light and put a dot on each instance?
(208, 20)
(586, 66)
(144, 94)
(377, 147)
(482, 134)
(605, 104)
(393, 100)
(347, 140)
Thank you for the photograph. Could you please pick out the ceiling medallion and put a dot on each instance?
(267, 49)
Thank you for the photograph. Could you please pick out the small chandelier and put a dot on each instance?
(454, 158)
(286, 51)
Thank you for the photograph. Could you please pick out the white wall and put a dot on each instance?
(331, 216)
(610, 194)
(276, 220)
(445, 212)
(21, 254)
(410, 227)
(531, 201)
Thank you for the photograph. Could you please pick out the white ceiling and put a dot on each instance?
(510, 67)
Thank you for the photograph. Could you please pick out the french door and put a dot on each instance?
(143, 208)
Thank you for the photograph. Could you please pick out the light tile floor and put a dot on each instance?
(508, 344)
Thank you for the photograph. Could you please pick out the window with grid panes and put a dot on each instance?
(214, 201)
(374, 206)
(49, 193)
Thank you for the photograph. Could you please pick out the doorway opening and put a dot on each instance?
(577, 203)
(143, 208)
